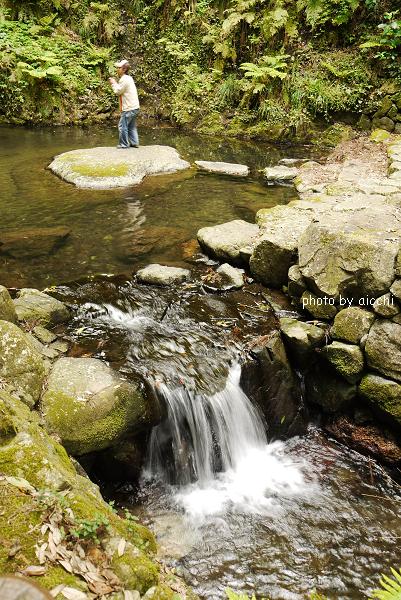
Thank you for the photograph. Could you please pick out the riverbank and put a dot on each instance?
(335, 253)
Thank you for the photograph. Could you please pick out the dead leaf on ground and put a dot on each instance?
(34, 571)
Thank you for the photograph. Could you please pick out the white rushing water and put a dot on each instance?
(215, 449)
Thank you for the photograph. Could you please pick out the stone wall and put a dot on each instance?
(387, 115)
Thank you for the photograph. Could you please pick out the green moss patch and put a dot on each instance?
(88, 170)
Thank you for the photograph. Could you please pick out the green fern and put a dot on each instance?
(391, 587)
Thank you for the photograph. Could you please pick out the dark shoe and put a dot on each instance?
(119, 147)
(134, 146)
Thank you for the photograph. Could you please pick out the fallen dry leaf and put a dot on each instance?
(73, 594)
(121, 547)
(33, 571)
(100, 588)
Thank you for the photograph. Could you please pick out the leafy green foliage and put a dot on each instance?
(387, 42)
(91, 529)
(391, 587)
(335, 12)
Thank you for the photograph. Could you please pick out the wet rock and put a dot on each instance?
(225, 241)
(122, 462)
(276, 247)
(346, 359)
(345, 253)
(386, 306)
(383, 348)
(301, 338)
(352, 324)
(162, 275)
(29, 243)
(7, 310)
(267, 378)
(153, 238)
(223, 168)
(296, 283)
(281, 173)
(22, 368)
(231, 278)
(328, 390)
(382, 394)
(366, 439)
(60, 346)
(90, 406)
(320, 308)
(105, 168)
(34, 306)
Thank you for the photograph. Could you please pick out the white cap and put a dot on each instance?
(121, 63)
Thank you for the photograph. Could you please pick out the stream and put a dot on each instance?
(231, 506)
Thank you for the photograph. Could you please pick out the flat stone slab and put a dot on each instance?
(223, 168)
(226, 241)
(162, 275)
(280, 173)
(106, 168)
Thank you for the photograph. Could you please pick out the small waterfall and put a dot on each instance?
(203, 434)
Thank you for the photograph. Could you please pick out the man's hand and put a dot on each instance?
(112, 80)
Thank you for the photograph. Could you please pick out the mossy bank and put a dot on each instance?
(278, 70)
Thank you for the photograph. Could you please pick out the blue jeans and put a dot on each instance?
(128, 133)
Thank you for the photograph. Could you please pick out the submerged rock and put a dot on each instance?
(162, 275)
(29, 243)
(37, 307)
(90, 406)
(223, 168)
(225, 241)
(105, 168)
(7, 310)
(382, 394)
(21, 366)
(352, 324)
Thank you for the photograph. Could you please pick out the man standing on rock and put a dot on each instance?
(129, 106)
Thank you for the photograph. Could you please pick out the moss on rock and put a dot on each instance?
(351, 324)
(347, 360)
(383, 394)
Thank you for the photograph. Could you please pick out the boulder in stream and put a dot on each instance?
(90, 406)
(106, 168)
(225, 241)
(231, 277)
(37, 307)
(280, 174)
(347, 360)
(162, 275)
(22, 369)
(301, 338)
(223, 168)
(269, 381)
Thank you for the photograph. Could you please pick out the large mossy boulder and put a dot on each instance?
(383, 394)
(226, 241)
(22, 369)
(347, 360)
(40, 485)
(90, 406)
(105, 168)
(36, 307)
(7, 310)
(351, 251)
(352, 324)
(383, 348)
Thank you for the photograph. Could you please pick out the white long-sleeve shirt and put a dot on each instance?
(126, 89)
